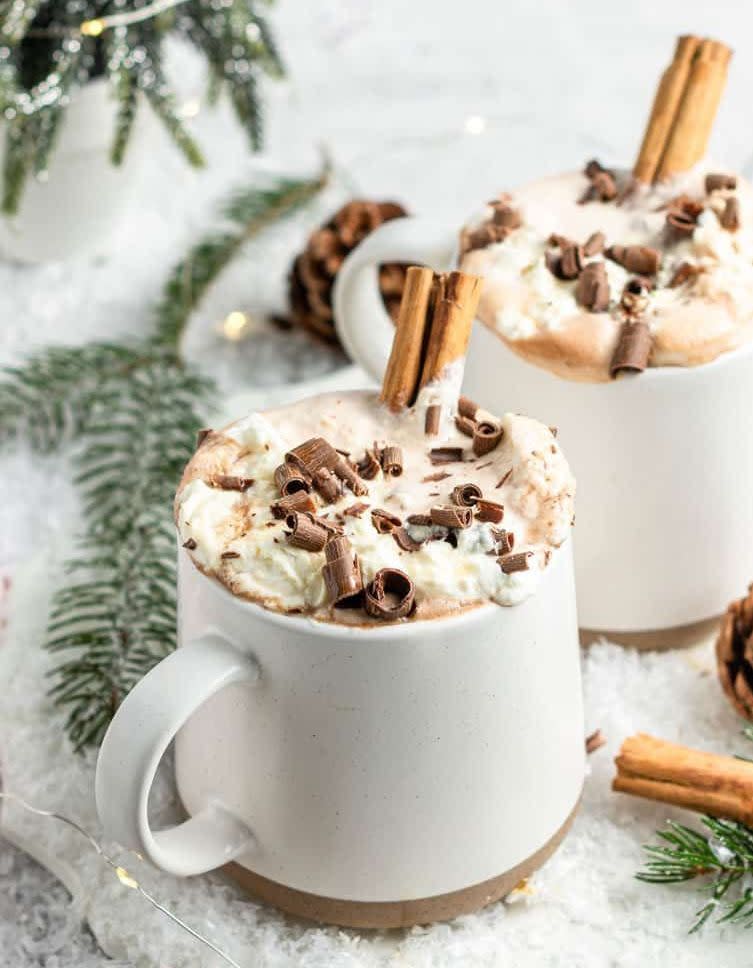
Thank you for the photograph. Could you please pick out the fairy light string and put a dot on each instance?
(123, 875)
(96, 26)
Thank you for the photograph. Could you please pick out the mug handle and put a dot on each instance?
(363, 325)
(143, 727)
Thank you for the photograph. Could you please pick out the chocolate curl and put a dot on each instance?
(445, 455)
(592, 288)
(356, 510)
(571, 262)
(432, 419)
(420, 520)
(633, 349)
(452, 517)
(730, 217)
(684, 273)
(384, 522)
(230, 482)
(369, 466)
(466, 495)
(312, 455)
(594, 244)
(467, 408)
(297, 501)
(390, 595)
(640, 259)
(505, 541)
(465, 425)
(347, 473)
(202, 435)
(520, 561)
(682, 215)
(228, 555)
(486, 436)
(391, 458)
(490, 511)
(342, 573)
(404, 540)
(305, 532)
(716, 182)
(290, 478)
(190, 544)
(327, 485)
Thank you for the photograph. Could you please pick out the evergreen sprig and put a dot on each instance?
(44, 57)
(723, 856)
(131, 412)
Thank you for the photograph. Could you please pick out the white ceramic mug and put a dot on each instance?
(663, 460)
(365, 776)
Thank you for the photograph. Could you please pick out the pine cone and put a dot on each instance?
(313, 274)
(734, 654)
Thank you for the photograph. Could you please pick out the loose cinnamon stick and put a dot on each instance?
(401, 377)
(666, 102)
(721, 786)
(451, 323)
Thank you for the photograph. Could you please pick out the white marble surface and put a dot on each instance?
(438, 104)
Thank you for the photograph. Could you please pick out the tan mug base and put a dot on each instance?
(656, 640)
(394, 914)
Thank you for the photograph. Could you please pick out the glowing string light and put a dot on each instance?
(123, 876)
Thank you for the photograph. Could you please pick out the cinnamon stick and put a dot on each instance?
(454, 312)
(721, 786)
(695, 114)
(401, 377)
(666, 102)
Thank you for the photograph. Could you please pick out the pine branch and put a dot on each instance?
(126, 94)
(248, 213)
(118, 620)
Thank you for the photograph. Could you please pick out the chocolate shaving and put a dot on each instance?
(445, 455)
(452, 517)
(297, 501)
(290, 478)
(369, 466)
(730, 217)
(520, 561)
(634, 299)
(559, 240)
(431, 421)
(503, 480)
(227, 555)
(467, 408)
(384, 522)
(305, 532)
(506, 216)
(390, 595)
(595, 741)
(328, 486)
(633, 348)
(592, 288)
(483, 236)
(346, 472)
(682, 215)
(603, 185)
(312, 455)
(641, 259)
(421, 520)
(505, 541)
(190, 544)
(594, 244)
(356, 510)
(342, 573)
(553, 262)
(231, 482)
(571, 261)
(202, 435)
(716, 181)
(554, 431)
(684, 273)
(486, 436)
(465, 495)
(439, 476)
(465, 425)
(490, 511)
(404, 540)
(391, 458)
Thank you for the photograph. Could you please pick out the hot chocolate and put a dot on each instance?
(357, 510)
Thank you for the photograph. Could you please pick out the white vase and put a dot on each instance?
(75, 210)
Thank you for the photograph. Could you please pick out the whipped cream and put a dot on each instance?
(234, 536)
(692, 323)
